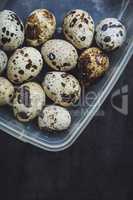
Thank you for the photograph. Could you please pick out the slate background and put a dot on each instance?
(99, 166)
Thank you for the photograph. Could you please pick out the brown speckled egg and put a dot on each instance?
(93, 64)
(28, 102)
(110, 34)
(78, 28)
(62, 88)
(60, 55)
(6, 91)
(54, 118)
(40, 27)
(3, 61)
(24, 65)
(11, 30)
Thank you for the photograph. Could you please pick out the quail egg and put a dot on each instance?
(6, 91)
(63, 88)
(3, 61)
(110, 34)
(40, 27)
(93, 63)
(60, 55)
(78, 28)
(28, 102)
(54, 118)
(24, 65)
(11, 30)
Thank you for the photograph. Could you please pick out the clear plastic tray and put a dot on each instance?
(83, 112)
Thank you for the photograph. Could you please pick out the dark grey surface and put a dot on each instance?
(99, 166)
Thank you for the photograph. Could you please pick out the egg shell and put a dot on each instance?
(6, 91)
(63, 88)
(28, 102)
(60, 55)
(78, 28)
(11, 30)
(110, 34)
(40, 27)
(24, 65)
(93, 63)
(3, 61)
(54, 118)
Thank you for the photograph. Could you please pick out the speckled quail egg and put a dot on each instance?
(93, 64)
(11, 30)
(40, 27)
(3, 61)
(110, 34)
(63, 88)
(24, 65)
(28, 102)
(54, 118)
(6, 91)
(60, 55)
(78, 28)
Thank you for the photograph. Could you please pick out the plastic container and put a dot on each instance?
(87, 107)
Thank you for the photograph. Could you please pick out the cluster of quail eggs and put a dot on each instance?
(19, 87)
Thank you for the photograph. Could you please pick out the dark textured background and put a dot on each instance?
(99, 166)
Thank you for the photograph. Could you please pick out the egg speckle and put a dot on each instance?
(24, 65)
(6, 91)
(93, 64)
(28, 102)
(78, 28)
(110, 34)
(11, 30)
(60, 55)
(63, 88)
(54, 118)
(3, 61)
(40, 27)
